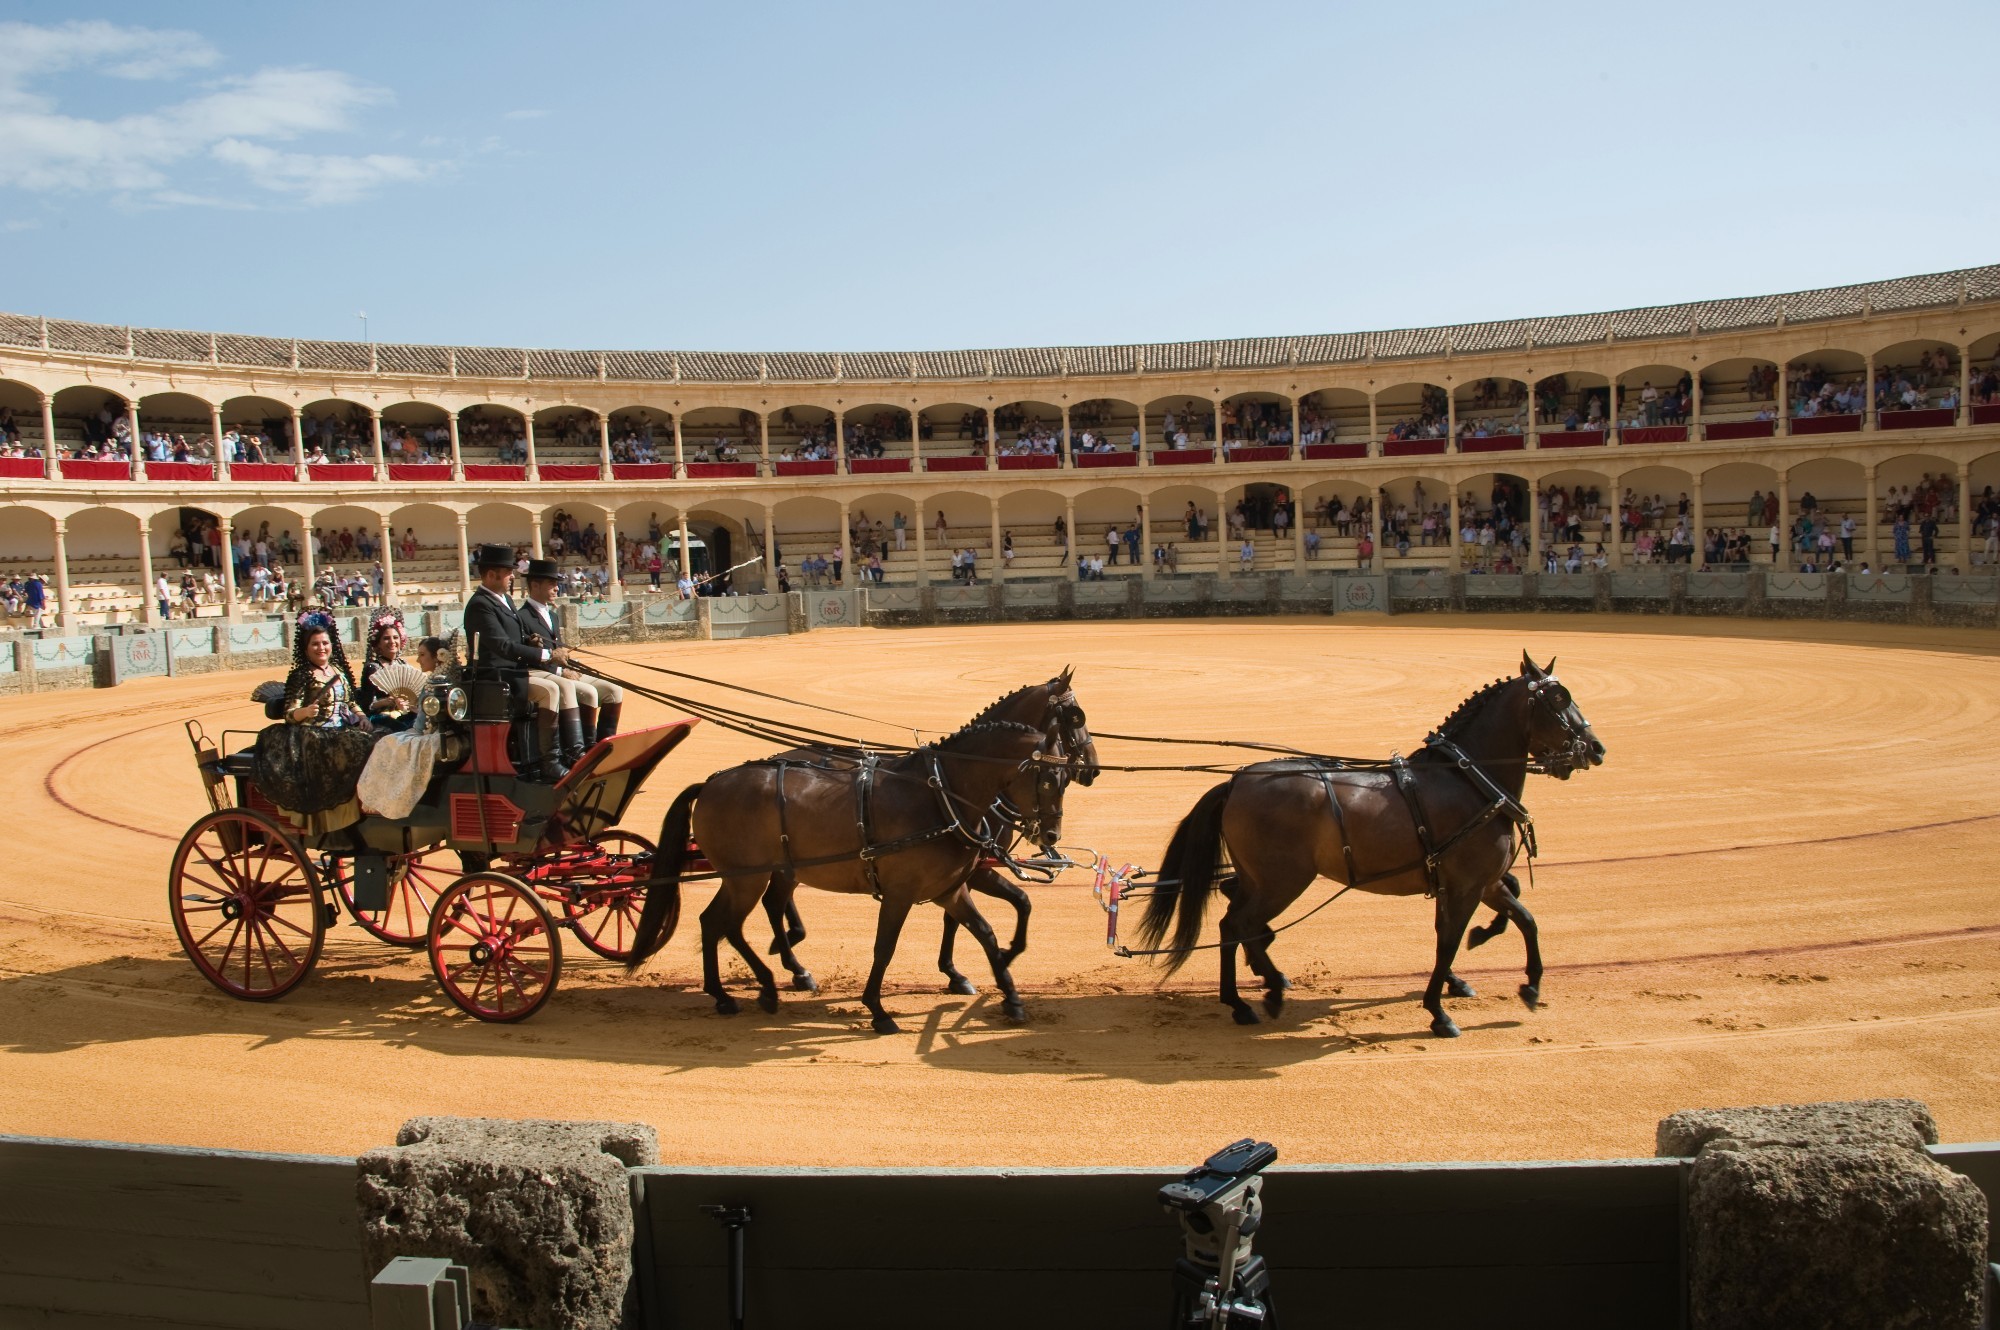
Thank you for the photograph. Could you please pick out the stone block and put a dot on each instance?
(1874, 1237)
(539, 1212)
(1900, 1122)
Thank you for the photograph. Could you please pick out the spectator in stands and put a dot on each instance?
(1365, 553)
(1111, 542)
(1312, 544)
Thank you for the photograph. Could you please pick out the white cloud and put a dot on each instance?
(231, 121)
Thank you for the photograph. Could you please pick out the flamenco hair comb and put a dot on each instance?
(383, 620)
(318, 619)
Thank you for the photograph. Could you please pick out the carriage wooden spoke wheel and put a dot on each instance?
(494, 948)
(603, 886)
(246, 904)
(415, 883)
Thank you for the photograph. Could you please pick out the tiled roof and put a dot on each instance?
(1903, 293)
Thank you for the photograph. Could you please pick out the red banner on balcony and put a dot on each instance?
(1091, 460)
(74, 469)
(1274, 452)
(23, 468)
(720, 470)
(1183, 456)
(262, 472)
(346, 471)
(1638, 434)
(954, 464)
(420, 471)
(826, 468)
(1411, 447)
(1740, 429)
(1493, 443)
(1826, 424)
(1323, 452)
(1573, 438)
(1934, 417)
(179, 471)
(568, 471)
(1031, 462)
(642, 470)
(1986, 415)
(875, 466)
(489, 471)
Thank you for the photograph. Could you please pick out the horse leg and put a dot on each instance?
(959, 907)
(779, 904)
(715, 925)
(1482, 935)
(888, 927)
(1257, 951)
(1238, 1008)
(992, 884)
(1505, 896)
(1454, 912)
(954, 982)
(732, 926)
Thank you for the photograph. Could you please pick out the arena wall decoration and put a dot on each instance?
(522, 434)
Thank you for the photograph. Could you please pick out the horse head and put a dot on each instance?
(1053, 709)
(1559, 738)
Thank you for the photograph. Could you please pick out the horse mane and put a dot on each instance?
(1464, 709)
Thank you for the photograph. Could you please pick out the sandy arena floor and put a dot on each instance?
(1779, 887)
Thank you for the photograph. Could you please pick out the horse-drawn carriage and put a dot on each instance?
(252, 886)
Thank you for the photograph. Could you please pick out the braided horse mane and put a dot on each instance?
(1464, 710)
(985, 720)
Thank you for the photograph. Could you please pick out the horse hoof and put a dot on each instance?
(1444, 1028)
(962, 986)
(1274, 1002)
(803, 982)
(767, 1000)
(1015, 1011)
(725, 1005)
(1459, 988)
(1531, 996)
(1245, 1016)
(886, 1025)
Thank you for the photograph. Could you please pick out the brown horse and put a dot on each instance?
(1443, 823)
(1031, 803)
(905, 829)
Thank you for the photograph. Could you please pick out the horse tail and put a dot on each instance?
(1188, 869)
(662, 911)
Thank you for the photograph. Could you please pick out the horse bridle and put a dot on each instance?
(1573, 754)
(1054, 770)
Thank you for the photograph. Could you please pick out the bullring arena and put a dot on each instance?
(1777, 888)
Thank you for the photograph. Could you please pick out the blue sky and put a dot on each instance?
(862, 176)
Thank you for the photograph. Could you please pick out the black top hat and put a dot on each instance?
(494, 556)
(544, 568)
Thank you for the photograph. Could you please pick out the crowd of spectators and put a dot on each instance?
(1256, 424)
(1652, 406)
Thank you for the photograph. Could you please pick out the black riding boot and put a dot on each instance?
(570, 736)
(607, 720)
(542, 761)
(586, 717)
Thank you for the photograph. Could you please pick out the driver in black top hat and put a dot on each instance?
(503, 648)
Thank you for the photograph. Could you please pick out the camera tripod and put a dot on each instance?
(1220, 1284)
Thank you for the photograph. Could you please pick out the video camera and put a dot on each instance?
(1219, 1283)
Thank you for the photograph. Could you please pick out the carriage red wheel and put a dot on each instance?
(494, 947)
(246, 904)
(602, 904)
(415, 883)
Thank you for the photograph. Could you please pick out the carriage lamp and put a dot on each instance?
(457, 705)
(432, 706)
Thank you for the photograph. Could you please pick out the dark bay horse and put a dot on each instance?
(1031, 804)
(905, 829)
(1443, 823)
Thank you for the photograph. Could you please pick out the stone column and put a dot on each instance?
(1066, 452)
(680, 455)
(1964, 416)
(1296, 445)
(308, 552)
(375, 443)
(1784, 403)
(840, 441)
(1145, 541)
(770, 547)
(227, 553)
(1299, 511)
(388, 561)
(1451, 421)
(534, 468)
(916, 440)
(215, 434)
(1374, 446)
(1225, 550)
(1784, 517)
(65, 612)
(917, 519)
(149, 611)
(999, 573)
(1617, 522)
(992, 437)
(846, 543)
(764, 442)
(138, 445)
(1613, 432)
(1533, 439)
(1375, 509)
(1965, 522)
(51, 468)
(1699, 534)
(1143, 461)
(1694, 419)
(1868, 369)
(1453, 534)
(616, 591)
(1536, 488)
(299, 445)
(686, 561)
(604, 448)
(535, 536)
(457, 458)
(1869, 538)
(464, 552)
